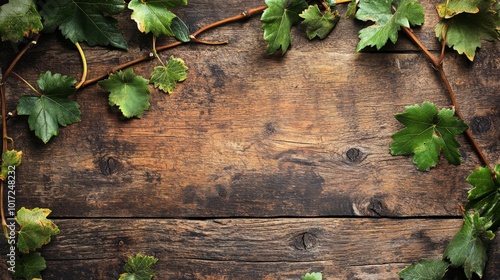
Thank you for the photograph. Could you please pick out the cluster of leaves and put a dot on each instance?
(92, 22)
(130, 92)
(35, 231)
(464, 23)
(427, 134)
(468, 248)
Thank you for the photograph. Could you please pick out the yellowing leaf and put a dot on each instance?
(36, 230)
(166, 77)
(19, 18)
(319, 24)
(11, 158)
(127, 91)
(451, 8)
(154, 15)
(464, 31)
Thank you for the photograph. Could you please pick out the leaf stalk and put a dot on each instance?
(84, 63)
(26, 82)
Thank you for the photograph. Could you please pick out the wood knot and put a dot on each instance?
(355, 155)
(304, 241)
(221, 191)
(480, 125)
(377, 207)
(270, 128)
(108, 166)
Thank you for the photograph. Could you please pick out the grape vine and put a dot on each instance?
(428, 131)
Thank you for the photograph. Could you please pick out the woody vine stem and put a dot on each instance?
(437, 64)
(84, 82)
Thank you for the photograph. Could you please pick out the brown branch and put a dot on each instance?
(414, 38)
(203, 42)
(4, 148)
(5, 136)
(18, 57)
(241, 16)
(438, 65)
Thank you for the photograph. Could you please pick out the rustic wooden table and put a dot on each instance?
(257, 167)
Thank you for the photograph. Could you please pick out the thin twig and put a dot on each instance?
(18, 57)
(443, 46)
(26, 82)
(438, 65)
(241, 16)
(203, 42)
(5, 135)
(414, 38)
(120, 67)
(342, 1)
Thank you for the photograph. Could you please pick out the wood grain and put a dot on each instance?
(344, 248)
(224, 178)
(250, 132)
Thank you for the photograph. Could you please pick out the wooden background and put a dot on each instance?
(258, 167)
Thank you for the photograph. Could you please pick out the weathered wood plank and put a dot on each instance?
(247, 135)
(306, 134)
(249, 248)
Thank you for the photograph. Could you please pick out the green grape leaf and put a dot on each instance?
(30, 266)
(139, 268)
(467, 248)
(277, 21)
(317, 23)
(428, 132)
(312, 276)
(464, 31)
(36, 230)
(451, 8)
(52, 108)
(127, 91)
(352, 8)
(154, 15)
(166, 77)
(485, 196)
(386, 24)
(10, 158)
(85, 20)
(425, 270)
(19, 19)
(180, 29)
